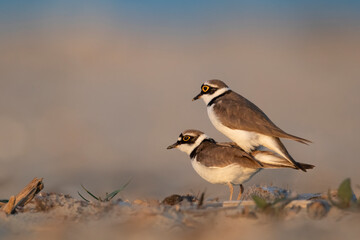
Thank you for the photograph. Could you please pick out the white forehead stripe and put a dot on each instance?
(191, 134)
(209, 84)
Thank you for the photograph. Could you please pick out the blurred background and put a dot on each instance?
(92, 92)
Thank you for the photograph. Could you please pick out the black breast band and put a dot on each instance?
(214, 99)
(194, 152)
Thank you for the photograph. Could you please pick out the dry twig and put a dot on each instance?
(24, 197)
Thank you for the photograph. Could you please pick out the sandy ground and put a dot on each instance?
(59, 216)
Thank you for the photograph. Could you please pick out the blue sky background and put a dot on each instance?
(180, 14)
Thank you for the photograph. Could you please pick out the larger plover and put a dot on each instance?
(242, 121)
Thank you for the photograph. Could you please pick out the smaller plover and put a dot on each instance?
(227, 163)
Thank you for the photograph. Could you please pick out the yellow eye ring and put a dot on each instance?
(186, 138)
(205, 88)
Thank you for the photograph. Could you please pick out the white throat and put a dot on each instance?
(188, 148)
(207, 98)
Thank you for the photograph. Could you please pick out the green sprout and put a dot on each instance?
(260, 202)
(346, 197)
(107, 198)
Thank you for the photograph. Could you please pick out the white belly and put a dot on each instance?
(230, 174)
(245, 139)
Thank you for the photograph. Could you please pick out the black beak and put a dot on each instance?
(197, 96)
(173, 146)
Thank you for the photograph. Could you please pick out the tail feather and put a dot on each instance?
(274, 144)
(298, 139)
(272, 160)
(307, 166)
(287, 155)
(281, 134)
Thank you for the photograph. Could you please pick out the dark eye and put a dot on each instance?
(205, 88)
(186, 138)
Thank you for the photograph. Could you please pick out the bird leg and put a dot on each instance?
(231, 190)
(240, 192)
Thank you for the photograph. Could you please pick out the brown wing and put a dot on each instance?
(222, 155)
(236, 112)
